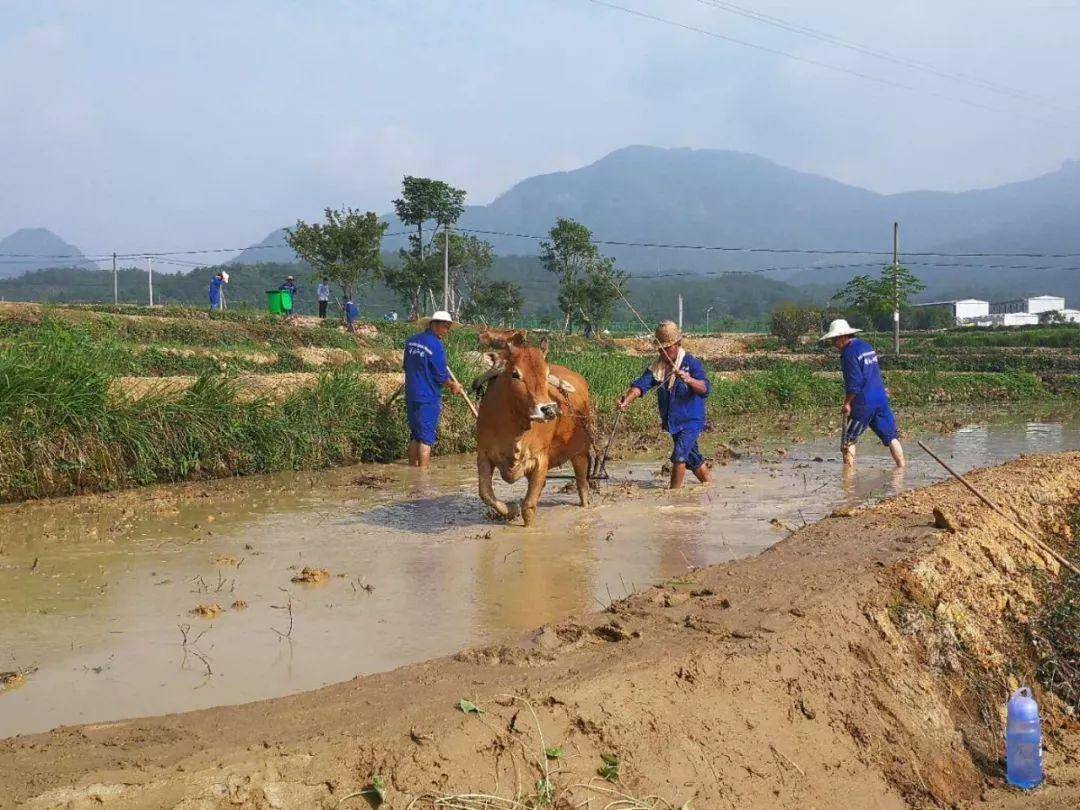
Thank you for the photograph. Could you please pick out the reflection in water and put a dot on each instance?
(416, 568)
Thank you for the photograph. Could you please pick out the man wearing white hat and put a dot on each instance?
(426, 373)
(866, 401)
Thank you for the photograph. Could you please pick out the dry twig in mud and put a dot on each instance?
(287, 634)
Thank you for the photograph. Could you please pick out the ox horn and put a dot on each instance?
(560, 384)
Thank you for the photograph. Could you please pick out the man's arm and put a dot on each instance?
(441, 370)
(853, 381)
(695, 379)
(639, 388)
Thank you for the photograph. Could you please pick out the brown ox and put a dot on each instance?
(527, 427)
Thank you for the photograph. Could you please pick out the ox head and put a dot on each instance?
(528, 372)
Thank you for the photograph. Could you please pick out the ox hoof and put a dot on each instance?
(513, 511)
(528, 515)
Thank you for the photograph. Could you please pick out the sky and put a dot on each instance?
(135, 126)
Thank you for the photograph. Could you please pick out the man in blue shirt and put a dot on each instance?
(215, 290)
(681, 388)
(866, 401)
(352, 312)
(426, 374)
(290, 287)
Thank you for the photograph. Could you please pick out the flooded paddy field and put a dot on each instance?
(96, 593)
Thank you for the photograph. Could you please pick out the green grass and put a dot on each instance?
(1056, 337)
(1056, 627)
(63, 432)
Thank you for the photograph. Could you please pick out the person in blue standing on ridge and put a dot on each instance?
(352, 312)
(289, 286)
(866, 401)
(426, 374)
(215, 290)
(681, 388)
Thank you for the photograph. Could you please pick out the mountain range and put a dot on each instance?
(36, 248)
(724, 198)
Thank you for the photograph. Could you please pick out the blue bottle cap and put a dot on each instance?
(1022, 706)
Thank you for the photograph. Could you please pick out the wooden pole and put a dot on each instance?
(896, 287)
(464, 394)
(1001, 513)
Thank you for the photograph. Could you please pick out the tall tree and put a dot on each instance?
(346, 248)
(588, 282)
(470, 261)
(422, 200)
(871, 299)
(497, 303)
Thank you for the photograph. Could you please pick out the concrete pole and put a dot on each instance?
(115, 284)
(150, 276)
(446, 267)
(896, 286)
(680, 312)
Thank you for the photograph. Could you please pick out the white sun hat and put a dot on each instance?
(838, 328)
(440, 315)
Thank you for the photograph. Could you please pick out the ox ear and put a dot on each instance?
(516, 338)
(544, 347)
(487, 339)
(511, 351)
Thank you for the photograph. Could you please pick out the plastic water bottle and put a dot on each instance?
(1023, 741)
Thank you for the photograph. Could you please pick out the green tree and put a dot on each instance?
(588, 282)
(346, 248)
(496, 302)
(872, 300)
(422, 200)
(789, 322)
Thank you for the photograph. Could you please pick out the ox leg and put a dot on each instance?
(581, 476)
(484, 471)
(537, 479)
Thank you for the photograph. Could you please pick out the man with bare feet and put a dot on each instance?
(426, 373)
(866, 402)
(681, 388)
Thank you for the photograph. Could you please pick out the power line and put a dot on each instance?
(807, 60)
(877, 53)
(803, 251)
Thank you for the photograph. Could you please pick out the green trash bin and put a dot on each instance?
(278, 301)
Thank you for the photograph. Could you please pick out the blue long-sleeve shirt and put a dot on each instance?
(215, 291)
(425, 367)
(862, 377)
(680, 407)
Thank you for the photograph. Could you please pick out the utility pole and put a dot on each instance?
(680, 312)
(446, 267)
(896, 288)
(115, 285)
(150, 276)
(707, 311)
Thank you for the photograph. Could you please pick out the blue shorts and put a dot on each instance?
(423, 421)
(880, 420)
(686, 449)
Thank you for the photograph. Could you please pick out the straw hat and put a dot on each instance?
(667, 334)
(838, 328)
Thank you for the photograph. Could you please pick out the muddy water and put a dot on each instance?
(94, 591)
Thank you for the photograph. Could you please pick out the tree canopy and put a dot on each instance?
(346, 248)
(589, 283)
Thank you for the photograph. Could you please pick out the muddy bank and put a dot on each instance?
(862, 663)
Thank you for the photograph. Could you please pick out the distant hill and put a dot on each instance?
(35, 248)
(717, 197)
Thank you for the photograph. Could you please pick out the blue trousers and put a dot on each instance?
(686, 448)
(879, 419)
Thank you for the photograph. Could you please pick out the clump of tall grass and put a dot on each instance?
(64, 430)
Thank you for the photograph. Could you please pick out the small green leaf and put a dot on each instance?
(610, 769)
(554, 753)
(610, 759)
(378, 787)
(469, 707)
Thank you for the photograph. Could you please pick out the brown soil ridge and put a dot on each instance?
(862, 662)
(249, 387)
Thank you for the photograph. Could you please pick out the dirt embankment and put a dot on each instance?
(863, 662)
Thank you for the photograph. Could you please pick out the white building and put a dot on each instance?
(964, 310)
(1032, 306)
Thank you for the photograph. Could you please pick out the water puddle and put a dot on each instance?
(97, 595)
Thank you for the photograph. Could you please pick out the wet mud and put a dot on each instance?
(96, 596)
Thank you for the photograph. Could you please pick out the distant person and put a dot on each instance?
(681, 389)
(216, 284)
(426, 374)
(391, 317)
(322, 293)
(289, 286)
(352, 312)
(866, 401)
